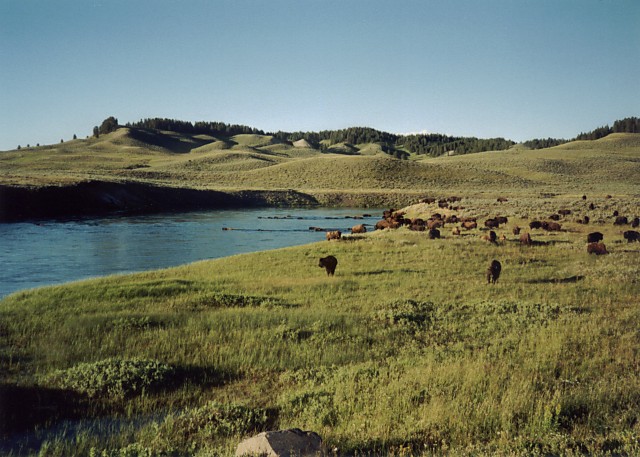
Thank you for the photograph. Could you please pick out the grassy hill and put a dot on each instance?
(610, 164)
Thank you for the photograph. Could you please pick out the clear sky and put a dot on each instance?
(518, 69)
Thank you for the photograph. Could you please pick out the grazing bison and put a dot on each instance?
(502, 199)
(525, 239)
(551, 226)
(516, 230)
(501, 220)
(635, 222)
(334, 235)
(468, 225)
(564, 212)
(329, 263)
(554, 217)
(621, 220)
(492, 223)
(493, 272)
(597, 248)
(360, 228)
(434, 233)
(631, 236)
(594, 237)
(535, 225)
(433, 223)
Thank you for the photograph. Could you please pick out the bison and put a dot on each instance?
(635, 222)
(329, 263)
(525, 239)
(597, 248)
(535, 225)
(493, 272)
(492, 223)
(468, 225)
(434, 233)
(594, 237)
(491, 237)
(621, 220)
(516, 230)
(334, 235)
(631, 236)
(360, 228)
(455, 231)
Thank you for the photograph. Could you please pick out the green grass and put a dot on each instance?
(406, 351)
(608, 165)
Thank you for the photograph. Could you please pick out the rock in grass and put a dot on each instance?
(283, 443)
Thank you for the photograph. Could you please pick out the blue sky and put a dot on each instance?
(518, 69)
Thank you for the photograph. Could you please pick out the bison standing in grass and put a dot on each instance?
(360, 228)
(493, 272)
(594, 237)
(631, 236)
(334, 235)
(525, 239)
(597, 248)
(329, 263)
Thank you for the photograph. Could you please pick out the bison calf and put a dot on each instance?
(493, 272)
(329, 263)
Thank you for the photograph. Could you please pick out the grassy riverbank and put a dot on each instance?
(406, 350)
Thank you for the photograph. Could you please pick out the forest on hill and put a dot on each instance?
(431, 144)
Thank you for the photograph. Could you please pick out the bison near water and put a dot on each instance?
(329, 263)
(334, 235)
(360, 228)
(493, 272)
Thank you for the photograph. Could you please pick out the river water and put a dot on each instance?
(54, 252)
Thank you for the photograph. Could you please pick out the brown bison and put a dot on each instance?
(360, 228)
(551, 226)
(502, 199)
(516, 230)
(334, 235)
(564, 212)
(455, 231)
(594, 237)
(434, 233)
(525, 239)
(468, 225)
(631, 236)
(493, 272)
(329, 263)
(597, 248)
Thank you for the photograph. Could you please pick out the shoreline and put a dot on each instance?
(103, 198)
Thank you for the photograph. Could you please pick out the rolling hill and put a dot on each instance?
(251, 161)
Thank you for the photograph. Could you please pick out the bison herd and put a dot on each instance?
(392, 219)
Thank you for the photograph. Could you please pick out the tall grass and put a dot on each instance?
(406, 351)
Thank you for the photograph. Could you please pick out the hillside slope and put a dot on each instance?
(610, 165)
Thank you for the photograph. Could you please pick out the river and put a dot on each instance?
(55, 252)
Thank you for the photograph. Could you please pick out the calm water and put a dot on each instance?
(47, 253)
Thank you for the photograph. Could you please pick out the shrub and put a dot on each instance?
(112, 378)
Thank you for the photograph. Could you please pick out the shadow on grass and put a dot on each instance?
(567, 280)
(25, 407)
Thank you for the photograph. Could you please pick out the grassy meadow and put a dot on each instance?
(405, 351)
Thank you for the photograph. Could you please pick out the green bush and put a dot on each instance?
(112, 378)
